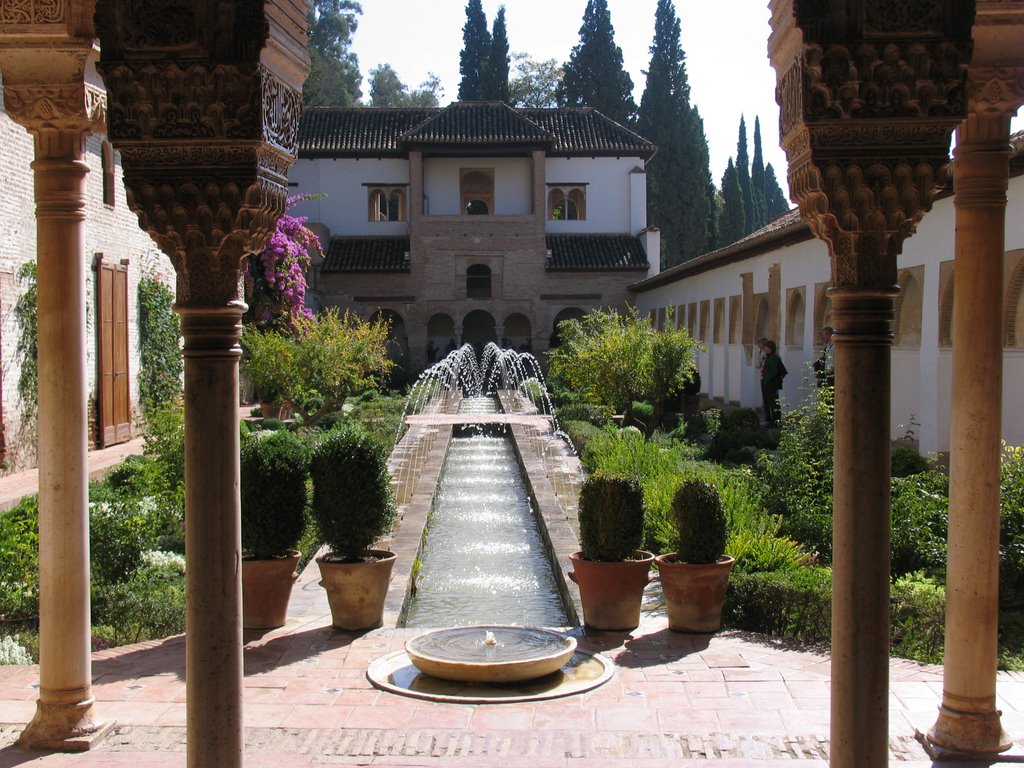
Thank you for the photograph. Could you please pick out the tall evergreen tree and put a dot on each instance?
(476, 49)
(757, 178)
(495, 80)
(776, 203)
(731, 226)
(743, 176)
(594, 75)
(334, 70)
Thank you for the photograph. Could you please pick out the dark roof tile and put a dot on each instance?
(367, 254)
(584, 130)
(356, 131)
(586, 253)
(477, 122)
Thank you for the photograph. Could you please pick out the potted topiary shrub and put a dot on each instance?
(353, 506)
(274, 470)
(611, 569)
(694, 578)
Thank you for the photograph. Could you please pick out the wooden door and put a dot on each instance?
(113, 399)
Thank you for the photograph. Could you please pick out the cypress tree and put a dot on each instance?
(594, 75)
(757, 178)
(776, 202)
(731, 227)
(476, 47)
(495, 81)
(743, 176)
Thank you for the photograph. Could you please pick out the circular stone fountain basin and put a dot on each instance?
(490, 654)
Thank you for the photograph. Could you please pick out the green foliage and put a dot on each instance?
(611, 514)
(732, 222)
(353, 504)
(594, 76)
(642, 413)
(271, 424)
(597, 415)
(26, 313)
(741, 419)
(581, 433)
(13, 652)
(121, 530)
(797, 480)
(743, 177)
(795, 604)
(334, 70)
(164, 445)
(758, 547)
(476, 47)
(495, 85)
(19, 559)
(535, 82)
(160, 361)
(148, 606)
(269, 363)
(918, 618)
(1011, 640)
(274, 470)
(700, 522)
(1011, 530)
(906, 461)
(920, 512)
(387, 89)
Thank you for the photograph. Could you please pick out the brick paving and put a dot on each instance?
(735, 699)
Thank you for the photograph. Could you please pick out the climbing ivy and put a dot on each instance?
(26, 312)
(159, 351)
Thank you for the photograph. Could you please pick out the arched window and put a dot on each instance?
(907, 328)
(795, 318)
(477, 188)
(478, 282)
(735, 316)
(567, 203)
(387, 204)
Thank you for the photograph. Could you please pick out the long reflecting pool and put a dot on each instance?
(483, 560)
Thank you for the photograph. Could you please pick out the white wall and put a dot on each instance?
(609, 204)
(920, 375)
(513, 184)
(344, 209)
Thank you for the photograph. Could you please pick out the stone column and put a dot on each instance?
(206, 138)
(44, 67)
(865, 160)
(969, 723)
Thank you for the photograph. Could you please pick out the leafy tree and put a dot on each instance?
(743, 177)
(535, 82)
(775, 201)
(495, 85)
(387, 90)
(757, 178)
(476, 47)
(731, 225)
(614, 359)
(160, 362)
(679, 175)
(594, 75)
(334, 70)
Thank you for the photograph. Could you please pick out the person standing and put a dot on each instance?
(772, 374)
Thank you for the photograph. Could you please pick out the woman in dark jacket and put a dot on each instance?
(772, 374)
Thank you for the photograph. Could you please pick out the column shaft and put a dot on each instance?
(861, 550)
(64, 717)
(968, 720)
(213, 544)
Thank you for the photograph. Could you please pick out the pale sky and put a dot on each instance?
(725, 41)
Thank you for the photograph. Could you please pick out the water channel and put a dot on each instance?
(483, 560)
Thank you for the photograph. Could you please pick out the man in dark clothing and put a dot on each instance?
(773, 372)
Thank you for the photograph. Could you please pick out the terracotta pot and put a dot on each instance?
(266, 590)
(611, 593)
(356, 591)
(280, 411)
(694, 593)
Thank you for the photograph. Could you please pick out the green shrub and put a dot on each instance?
(1011, 530)
(380, 417)
(642, 413)
(1011, 640)
(19, 559)
(271, 424)
(906, 461)
(329, 421)
(741, 420)
(611, 514)
(160, 361)
(759, 547)
(581, 433)
(797, 479)
(120, 532)
(918, 618)
(581, 411)
(920, 514)
(164, 444)
(792, 604)
(148, 606)
(352, 499)
(13, 652)
(274, 470)
(700, 522)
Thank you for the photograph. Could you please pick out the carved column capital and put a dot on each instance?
(869, 97)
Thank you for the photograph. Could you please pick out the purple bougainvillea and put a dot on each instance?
(278, 274)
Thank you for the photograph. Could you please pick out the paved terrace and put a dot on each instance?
(733, 699)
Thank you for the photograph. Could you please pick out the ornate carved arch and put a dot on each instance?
(908, 309)
(1014, 302)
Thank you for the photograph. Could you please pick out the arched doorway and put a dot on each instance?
(440, 337)
(569, 313)
(478, 328)
(519, 332)
(398, 342)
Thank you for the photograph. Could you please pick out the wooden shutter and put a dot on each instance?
(113, 397)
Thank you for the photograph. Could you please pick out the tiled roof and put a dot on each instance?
(584, 130)
(477, 122)
(387, 132)
(584, 253)
(367, 254)
(356, 131)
